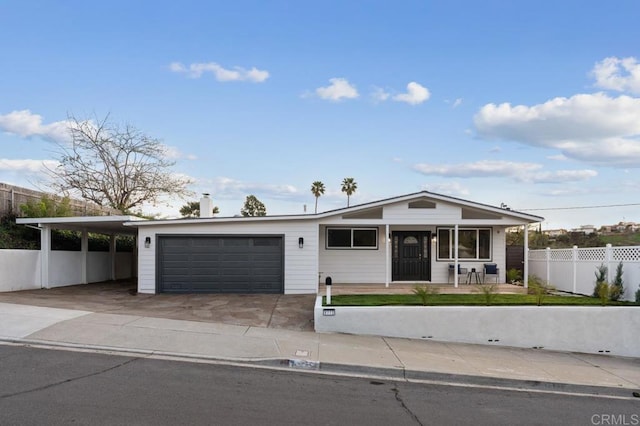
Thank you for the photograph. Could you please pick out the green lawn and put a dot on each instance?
(462, 300)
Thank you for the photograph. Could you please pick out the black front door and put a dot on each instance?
(411, 260)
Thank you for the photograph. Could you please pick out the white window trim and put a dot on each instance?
(451, 244)
(327, 247)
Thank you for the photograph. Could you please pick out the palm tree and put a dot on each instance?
(349, 186)
(317, 189)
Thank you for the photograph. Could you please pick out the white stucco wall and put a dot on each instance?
(300, 265)
(65, 268)
(98, 266)
(19, 270)
(564, 328)
(124, 265)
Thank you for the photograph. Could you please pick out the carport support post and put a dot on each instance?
(45, 255)
(112, 254)
(84, 248)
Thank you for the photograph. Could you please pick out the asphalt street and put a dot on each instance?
(43, 386)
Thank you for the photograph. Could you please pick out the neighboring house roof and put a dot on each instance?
(353, 209)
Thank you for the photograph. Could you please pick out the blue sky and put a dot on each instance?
(532, 104)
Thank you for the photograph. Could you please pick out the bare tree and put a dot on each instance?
(115, 166)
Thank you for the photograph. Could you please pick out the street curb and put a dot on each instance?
(327, 368)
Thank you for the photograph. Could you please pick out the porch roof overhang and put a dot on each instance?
(96, 224)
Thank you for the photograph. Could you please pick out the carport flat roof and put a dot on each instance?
(97, 224)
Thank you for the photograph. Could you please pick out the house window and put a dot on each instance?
(473, 244)
(352, 238)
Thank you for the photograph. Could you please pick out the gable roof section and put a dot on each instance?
(470, 205)
(369, 210)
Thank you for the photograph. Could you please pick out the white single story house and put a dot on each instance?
(410, 238)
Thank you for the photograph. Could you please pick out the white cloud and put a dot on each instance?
(447, 188)
(173, 153)
(339, 89)
(563, 192)
(228, 188)
(521, 172)
(196, 70)
(594, 128)
(26, 124)
(416, 94)
(484, 168)
(27, 165)
(557, 157)
(457, 103)
(622, 75)
(558, 176)
(177, 67)
(379, 94)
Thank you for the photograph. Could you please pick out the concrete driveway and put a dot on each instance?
(292, 312)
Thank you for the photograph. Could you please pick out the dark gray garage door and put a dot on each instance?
(220, 264)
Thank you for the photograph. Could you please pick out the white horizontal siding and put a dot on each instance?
(349, 266)
(442, 211)
(300, 265)
(352, 265)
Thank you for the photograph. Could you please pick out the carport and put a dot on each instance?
(68, 268)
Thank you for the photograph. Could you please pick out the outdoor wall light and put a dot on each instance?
(147, 242)
(300, 242)
(433, 239)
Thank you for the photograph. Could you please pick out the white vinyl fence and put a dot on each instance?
(573, 270)
(21, 270)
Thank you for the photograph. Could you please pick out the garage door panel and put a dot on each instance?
(220, 264)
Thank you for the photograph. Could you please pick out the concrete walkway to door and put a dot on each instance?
(291, 312)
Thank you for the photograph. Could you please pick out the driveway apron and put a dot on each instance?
(292, 312)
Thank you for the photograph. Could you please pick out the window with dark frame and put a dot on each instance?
(352, 238)
(473, 243)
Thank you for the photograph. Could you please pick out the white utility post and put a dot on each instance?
(525, 267)
(455, 256)
(387, 245)
(84, 249)
(45, 255)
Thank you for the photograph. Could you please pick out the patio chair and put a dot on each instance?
(461, 271)
(490, 269)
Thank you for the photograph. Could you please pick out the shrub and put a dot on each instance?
(601, 277)
(539, 288)
(488, 291)
(513, 275)
(617, 287)
(638, 295)
(604, 292)
(424, 292)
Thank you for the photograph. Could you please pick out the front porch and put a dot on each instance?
(407, 288)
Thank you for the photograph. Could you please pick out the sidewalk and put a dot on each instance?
(404, 359)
